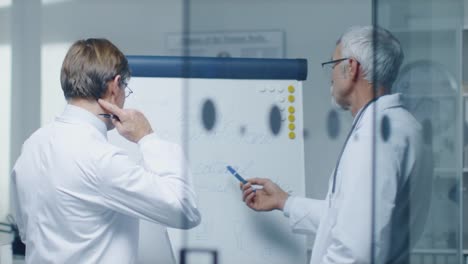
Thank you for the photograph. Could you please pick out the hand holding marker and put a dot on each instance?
(234, 172)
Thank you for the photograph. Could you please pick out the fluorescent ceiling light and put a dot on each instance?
(5, 3)
(48, 2)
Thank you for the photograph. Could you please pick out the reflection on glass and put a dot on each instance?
(429, 82)
(5, 109)
(48, 2)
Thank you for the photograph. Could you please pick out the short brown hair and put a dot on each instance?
(89, 65)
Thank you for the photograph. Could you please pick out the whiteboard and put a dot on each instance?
(239, 134)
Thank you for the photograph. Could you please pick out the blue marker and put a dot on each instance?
(234, 172)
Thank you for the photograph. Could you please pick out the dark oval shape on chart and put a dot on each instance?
(208, 114)
(275, 120)
(242, 130)
(333, 124)
(385, 128)
(305, 134)
(427, 131)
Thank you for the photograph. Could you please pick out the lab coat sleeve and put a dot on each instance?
(351, 234)
(304, 214)
(158, 190)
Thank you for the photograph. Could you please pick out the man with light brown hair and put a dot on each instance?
(78, 199)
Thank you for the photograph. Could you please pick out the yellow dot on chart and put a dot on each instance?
(291, 89)
(291, 98)
(291, 109)
(292, 135)
(292, 126)
(291, 118)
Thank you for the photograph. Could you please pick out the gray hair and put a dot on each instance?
(357, 42)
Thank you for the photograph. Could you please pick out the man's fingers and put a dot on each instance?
(249, 199)
(246, 186)
(117, 124)
(258, 181)
(246, 193)
(112, 108)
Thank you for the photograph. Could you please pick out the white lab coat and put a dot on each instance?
(402, 187)
(79, 199)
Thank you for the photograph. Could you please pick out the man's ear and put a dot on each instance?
(117, 79)
(114, 86)
(353, 69)
(112, 90)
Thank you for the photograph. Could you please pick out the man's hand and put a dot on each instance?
(131, 123)
(269, 198)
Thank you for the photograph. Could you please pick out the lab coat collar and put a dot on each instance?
(75, 114)
(381, 103)
(389, 101)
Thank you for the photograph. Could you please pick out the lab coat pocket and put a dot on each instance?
(324, 239)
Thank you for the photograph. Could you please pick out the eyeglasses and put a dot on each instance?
(328, 66)
(128, 91)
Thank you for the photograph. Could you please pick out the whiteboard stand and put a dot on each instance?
(255, 124)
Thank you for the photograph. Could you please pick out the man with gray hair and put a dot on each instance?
(379, 191)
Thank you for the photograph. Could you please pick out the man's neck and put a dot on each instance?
(364, 96)
(91, 106)
(88, 105)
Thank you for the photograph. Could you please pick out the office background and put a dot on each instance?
(35, 34)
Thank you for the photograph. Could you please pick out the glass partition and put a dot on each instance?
(41, 33)
(422, 220)
(5, 133)
(285, 130)
(429, 82)
(5, 104)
